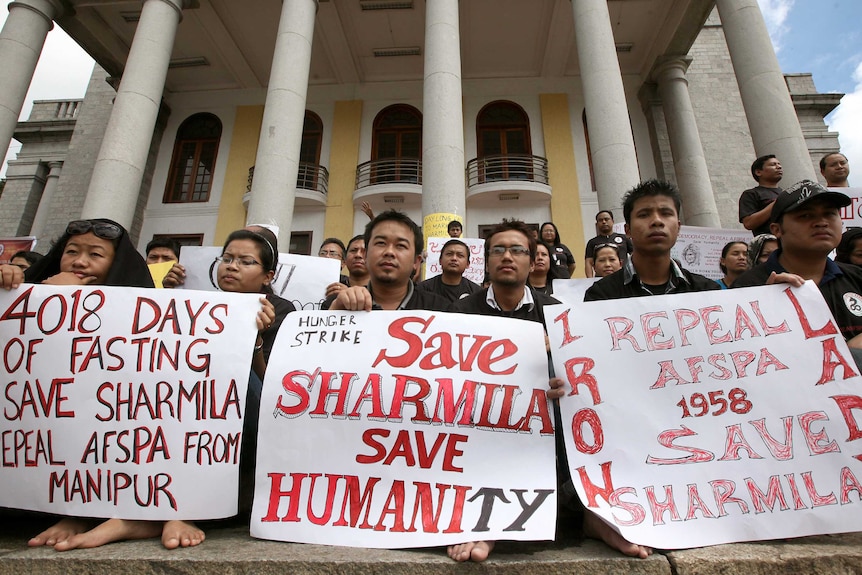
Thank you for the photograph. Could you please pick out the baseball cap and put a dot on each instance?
(801, 193)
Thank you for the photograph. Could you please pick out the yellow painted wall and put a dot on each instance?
(343, 159)
(242, 155)
(563, 175)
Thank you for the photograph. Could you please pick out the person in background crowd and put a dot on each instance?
(606, 259)
(356, 269)
(161, 250)
(542, 274)
(760, 247)
(849, 250)
(451, 283)
(24, 259)
(835, 169)
(733, 262)
(755, 204)
(510, 252)
(606, 235)
(561, 257)
(454, 229)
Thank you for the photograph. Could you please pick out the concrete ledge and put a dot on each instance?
(230, 550)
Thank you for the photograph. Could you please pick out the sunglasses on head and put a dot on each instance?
(104, 230)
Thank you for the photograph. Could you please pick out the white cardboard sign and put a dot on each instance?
(405, 429)
(302, 280)
(123, 402)
(712, 417)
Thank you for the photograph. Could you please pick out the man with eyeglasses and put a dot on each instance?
(606, 235)
(510, 251)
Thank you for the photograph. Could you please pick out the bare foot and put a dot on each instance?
(60, 531)
(178, 533)
(597, 529)
(474, 551)
(110, 531)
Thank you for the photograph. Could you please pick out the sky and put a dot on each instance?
(823, 37)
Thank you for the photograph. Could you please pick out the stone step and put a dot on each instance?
(230, 550)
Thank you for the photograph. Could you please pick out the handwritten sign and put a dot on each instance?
(852, 214)
(302, 280)
(706, 418)
(123, 402)
(475, 272)
(437, 224)
(405, 429)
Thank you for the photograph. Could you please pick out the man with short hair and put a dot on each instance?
(161, 250)
(606, 235)
(356, 268)
(755, 204)
(393, 247)
(806, 219)
(510, 251)
(651, 211)
(454, 229)
(835, 168)
(451, 283)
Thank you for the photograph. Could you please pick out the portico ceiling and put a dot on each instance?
(228, 44)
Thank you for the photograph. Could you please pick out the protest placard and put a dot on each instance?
(713, 417)
(123, 402)
(851, 215)
(699, 249)
(301, 280)
(10, 246)
(572, 290)
(405, 429)
(475, 272)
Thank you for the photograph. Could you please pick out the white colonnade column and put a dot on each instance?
(273, 190)
(443, 187)
(611, 141)
(51, 183)
(119, 167)
(768, 108)
(21, 42)
(689, 162)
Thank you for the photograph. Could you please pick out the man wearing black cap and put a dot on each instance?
(806, 219)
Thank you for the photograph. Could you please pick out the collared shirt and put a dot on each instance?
(402, 305)
(830, 272)
(676, 276)
(527, 300)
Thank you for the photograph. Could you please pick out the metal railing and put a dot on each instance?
(389, 171)
(310, 177)
(507, 167)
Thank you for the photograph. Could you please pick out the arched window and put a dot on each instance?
(193, 160)
(503, 131)
(397, 145)
(309, 152)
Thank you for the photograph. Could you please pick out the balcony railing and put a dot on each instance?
(310, 177)
(507, 167)
(389, 171)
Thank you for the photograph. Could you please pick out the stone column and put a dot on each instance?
(273, 189)
(765, 97)
(692, 175)
(443, 187)
(611, 142)
(21, 42)
(38, 227)
(119, 167)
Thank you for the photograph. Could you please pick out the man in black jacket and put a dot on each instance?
(806, 219)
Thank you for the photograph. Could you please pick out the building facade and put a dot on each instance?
(202, 116)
